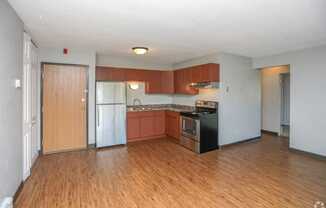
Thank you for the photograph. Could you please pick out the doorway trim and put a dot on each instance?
(41, 98)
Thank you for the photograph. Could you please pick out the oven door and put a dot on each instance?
(190, 128)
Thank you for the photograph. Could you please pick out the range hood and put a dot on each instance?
(205, 85)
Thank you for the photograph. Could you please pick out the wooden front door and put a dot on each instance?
(64, 108)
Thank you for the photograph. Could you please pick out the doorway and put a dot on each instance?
(64, 107)
(285, 104)
(275, 85)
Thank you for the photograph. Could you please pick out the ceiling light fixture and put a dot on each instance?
(140, 50)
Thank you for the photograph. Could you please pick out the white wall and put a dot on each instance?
(240, 99)
(54, 55)
(146, 98)
(307, 96)
(132, 62)
(11, 67)
(271, 97)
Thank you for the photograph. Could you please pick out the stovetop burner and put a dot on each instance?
(202, 108)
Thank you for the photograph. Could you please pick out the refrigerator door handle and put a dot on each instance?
(97, 117)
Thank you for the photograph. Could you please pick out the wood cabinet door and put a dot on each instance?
(182, 81)
(147, 127)
(172, 129)
(187, 80)
(204, 74)
(110, 74)
(167, 82)
(195, 74)
(214, 72)
(153, 84)
(133, 128)
(172, 124)
(178, 81)
(159, 124)
(136, 75)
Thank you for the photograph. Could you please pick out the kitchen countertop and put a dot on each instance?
(170, 107)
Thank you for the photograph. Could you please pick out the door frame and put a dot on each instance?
(42, 92)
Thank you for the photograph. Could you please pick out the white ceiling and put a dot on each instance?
(176, 30)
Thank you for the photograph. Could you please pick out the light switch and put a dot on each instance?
(18, 83)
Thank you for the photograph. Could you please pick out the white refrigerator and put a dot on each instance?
(110, 113)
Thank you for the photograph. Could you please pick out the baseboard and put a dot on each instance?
(269, 132)
(18, 191)
(91, 146)
(240, 142)
(309, 154)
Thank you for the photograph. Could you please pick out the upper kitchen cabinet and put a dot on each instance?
(164, 82)
(160, 82)
(136, 75)
(205, 73)
(182, 81)
(153, 82)
(110, 74)
(167, 82)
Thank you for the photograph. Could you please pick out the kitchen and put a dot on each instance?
(151, 112)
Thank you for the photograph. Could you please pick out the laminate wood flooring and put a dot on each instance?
(160, 173)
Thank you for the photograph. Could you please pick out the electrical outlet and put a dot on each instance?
(18, 83)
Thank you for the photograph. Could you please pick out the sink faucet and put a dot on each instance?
(136, 100)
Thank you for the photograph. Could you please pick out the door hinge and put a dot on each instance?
(42, 75)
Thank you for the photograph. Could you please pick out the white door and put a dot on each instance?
(34, 106)
(30, 148)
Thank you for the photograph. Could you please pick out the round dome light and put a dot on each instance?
(140, 50)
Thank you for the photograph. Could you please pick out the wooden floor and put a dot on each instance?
(159, 173)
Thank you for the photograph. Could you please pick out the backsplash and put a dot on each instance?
(188, 100)
(146, 99)
(204, 94)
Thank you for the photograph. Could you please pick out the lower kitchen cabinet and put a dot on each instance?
(173, 124)
(147, 128)
(133, 127)
(159, 123)
(145, 125)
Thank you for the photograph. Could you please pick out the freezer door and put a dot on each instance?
(110, 92)
(110, 125)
